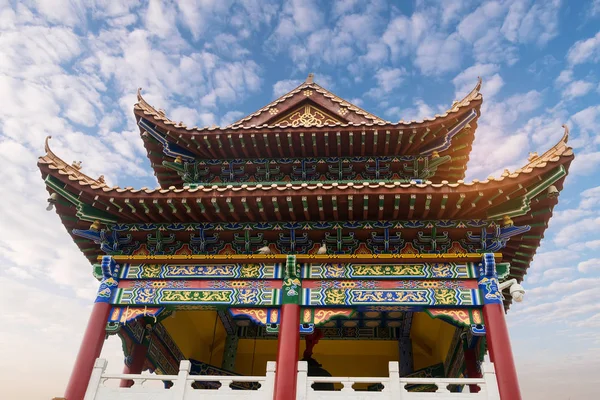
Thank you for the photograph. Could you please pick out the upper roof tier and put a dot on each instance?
(310, 121)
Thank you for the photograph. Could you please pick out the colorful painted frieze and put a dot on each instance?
(396, 271)
(231, 271)
(199, 292)
(399, 293)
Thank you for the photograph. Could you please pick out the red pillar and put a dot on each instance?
(288, 346)
(90, 349)
(138, 357)
(471, 368)
(501, 352)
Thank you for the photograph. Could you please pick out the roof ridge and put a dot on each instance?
(147, 109)
(278, 100)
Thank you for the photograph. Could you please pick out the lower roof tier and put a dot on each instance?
(512, 194)
(385, 216)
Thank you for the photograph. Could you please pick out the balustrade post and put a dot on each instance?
(393, 386)
(95, 379)
(181, 383)
(269, 380)
(491, 383)
(302, 382)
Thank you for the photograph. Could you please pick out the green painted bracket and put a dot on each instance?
(85, 212)
(522, 205)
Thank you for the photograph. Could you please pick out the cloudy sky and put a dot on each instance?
(70, 69)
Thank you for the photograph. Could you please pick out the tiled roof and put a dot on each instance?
(553, 155)
(158, 115)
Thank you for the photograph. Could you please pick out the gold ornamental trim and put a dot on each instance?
(303, 258)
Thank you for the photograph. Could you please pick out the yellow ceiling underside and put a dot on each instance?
(193, 332)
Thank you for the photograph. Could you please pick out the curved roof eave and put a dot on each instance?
(561, 150)
(144, 109)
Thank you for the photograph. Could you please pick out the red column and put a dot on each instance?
(471, 368)
(501, 352)
(138, 357)
(90, 349)
(288, 346)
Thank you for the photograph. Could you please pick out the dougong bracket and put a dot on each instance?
(488, 280)
(110, 280)
(111, 242)
(290, 290)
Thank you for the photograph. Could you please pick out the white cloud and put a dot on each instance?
(590, 198)
(230, 117)
(298, 17)
(569, 216)
(160, 18)
(565, 76)
(474, 25)
(389, 79)
(582, 246)
(282, 87)
(229, 46)
(585, 164)
(439, 54)
(404, 33)
(538, 24)
(576, 231)
(64, 12)
(588, 118)
(465, 81)
(192, 117)
(420, 111)
(590, 265)
(557, 273)
(548, 260)
(545, 130)
(497, 145)
(587, 50)
(61, 325)
(577, 89)
(595, 8)
(481, 28)
(344, 6)
(34, 51)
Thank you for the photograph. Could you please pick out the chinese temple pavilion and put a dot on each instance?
(309, 231)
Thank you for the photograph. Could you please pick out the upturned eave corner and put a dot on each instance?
(51, 164)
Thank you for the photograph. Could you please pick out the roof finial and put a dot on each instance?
(47, 145)
(310, 78)
(479, 82)
(139, 94)
(565, 137)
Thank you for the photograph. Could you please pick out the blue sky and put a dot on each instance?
(71, 68)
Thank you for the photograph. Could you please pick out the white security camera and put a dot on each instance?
(517, 291)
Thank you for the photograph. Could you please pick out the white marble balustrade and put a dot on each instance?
(104, 386)
(394, 386)
(101, 387)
